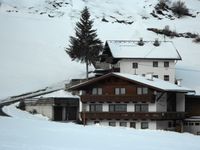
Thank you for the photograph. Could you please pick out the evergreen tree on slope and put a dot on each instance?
(84, 46)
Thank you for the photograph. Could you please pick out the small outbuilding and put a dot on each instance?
(57, 106)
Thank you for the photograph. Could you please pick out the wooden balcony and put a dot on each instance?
(117, 98)
(133, 115)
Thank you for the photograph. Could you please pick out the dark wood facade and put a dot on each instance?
(192, 105)
(109, 83)
(118, 98)
(133, 115)
(108, 86)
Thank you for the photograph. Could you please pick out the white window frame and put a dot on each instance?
(142, 90)
(97, 91)
(144, 123)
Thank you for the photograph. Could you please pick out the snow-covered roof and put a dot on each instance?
(155, 83)
(131, 49)
(60, 94)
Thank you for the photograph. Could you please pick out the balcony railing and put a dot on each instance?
(133, 115)
(117, 98)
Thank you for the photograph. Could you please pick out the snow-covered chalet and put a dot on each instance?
(121, 99)
(157, 58)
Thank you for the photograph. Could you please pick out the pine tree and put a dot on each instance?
(84, 46)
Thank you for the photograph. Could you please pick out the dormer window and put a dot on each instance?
(97, 91)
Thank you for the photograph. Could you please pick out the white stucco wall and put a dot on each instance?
(152, 107)
(45, 110)
(192, 128)
(130, 107)
(180, 102)
(146, 66)
(161, 104)
(105, 107)
(152, 124)
(85, 107)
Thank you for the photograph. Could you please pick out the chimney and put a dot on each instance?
(156, 42)
(178, 82)
(149, 76)
(141, 42)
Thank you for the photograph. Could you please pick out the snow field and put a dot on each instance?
(23, 133)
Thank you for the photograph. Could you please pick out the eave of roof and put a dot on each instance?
(146, 58)
(81, 85)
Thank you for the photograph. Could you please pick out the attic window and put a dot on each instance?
(156, 42)
(141, 42)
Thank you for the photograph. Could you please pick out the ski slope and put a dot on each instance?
(34, 34)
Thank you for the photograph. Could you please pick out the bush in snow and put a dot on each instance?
(179, 8)
(166, 31)
(34, 111)
(21, 105)
(163, 4)
(197, 39)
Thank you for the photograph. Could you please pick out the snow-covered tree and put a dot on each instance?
(85, 45)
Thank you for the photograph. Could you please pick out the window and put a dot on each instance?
(112, 123)
(135, 65)
(155, 64)
(96, 122)
(155, 76)
(197, 123)
(121, 107)
(144, 90)
(166, 77)
(144, 125)
(169, 124)
(117, 107)
(141, 91)
(166, 64)
(141, 108)
(111, 107)
(132, 124)
(123, 124)
(97, 91)
(120, 91)
(191, 123)
(96, 108)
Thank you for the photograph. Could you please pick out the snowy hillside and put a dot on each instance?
(35, 32)
(25, 131)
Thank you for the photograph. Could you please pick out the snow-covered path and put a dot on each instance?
(26, 132)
